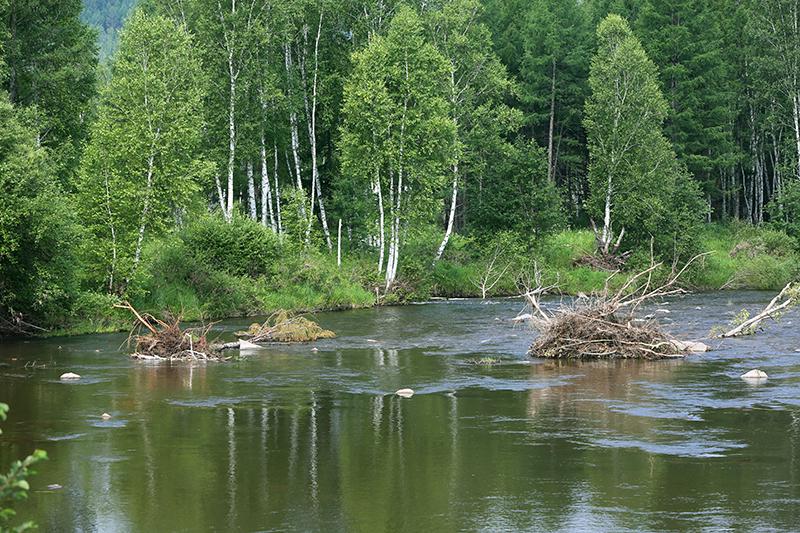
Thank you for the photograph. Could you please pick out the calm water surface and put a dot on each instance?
(290, 439)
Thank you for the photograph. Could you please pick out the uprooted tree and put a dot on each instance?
(605, 325)
(786, 299)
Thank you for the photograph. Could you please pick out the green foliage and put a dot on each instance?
(37, 226)
(516, 194)
(14, 485)
(633, 171)
(685, 39)
(212, 269)
(51, 58)
(745, 258)
(397, 135)
(142, 169)
(784, 211)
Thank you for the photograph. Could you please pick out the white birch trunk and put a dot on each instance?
(796, 119)
(607, 235)
(251, 192)
(266, 191)
(231, 135)
(137, 256)
(311, 123)
(294, 135)
(451, 217)
(220, 194)
(381, 223)
(277, 194)
(339, 245)
(113, 230)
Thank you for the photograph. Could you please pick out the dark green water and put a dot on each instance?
(296, 440)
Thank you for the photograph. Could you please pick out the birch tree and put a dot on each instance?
(397, 118)
(476, 79)
(636, 184)
(230, 31)
(142, 162)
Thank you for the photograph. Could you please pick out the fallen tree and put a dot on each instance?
(604, 325)
(785, 299)
(153, 338)
(284, 327)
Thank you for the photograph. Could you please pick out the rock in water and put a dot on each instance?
(246, 345)
(105, 416)
(689, 346)
(755, 374)
(405, 393)
(69, 375)
(522, 318)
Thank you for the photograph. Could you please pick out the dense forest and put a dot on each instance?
(107, 17)
(247, 155)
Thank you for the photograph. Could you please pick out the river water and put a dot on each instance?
(292, 439)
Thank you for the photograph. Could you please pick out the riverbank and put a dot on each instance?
(213, 271)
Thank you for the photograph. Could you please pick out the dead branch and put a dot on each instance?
(785, 299)
(166, 340)
(604, 324)
(490, 277)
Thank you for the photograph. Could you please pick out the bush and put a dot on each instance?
(213, 269)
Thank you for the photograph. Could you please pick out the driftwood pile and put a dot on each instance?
(284, 327)
(605, 325)
(166, 340)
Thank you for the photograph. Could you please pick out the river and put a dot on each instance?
(292, 439)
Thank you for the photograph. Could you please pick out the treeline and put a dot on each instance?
(386, 128)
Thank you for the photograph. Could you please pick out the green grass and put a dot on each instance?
(201, 286)
(744, 257)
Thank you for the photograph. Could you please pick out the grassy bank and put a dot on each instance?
(212, 270)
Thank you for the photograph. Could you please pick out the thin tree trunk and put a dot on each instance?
(607, 235)
(451, 216)
(796, 118)
(311, 123)
(277, 194)
(231, 135)
(294, 135)
(339, 245)
(266, 191)
(251, 192)
(113, 229)
(137, 256)
(381, 222)
(551, 171)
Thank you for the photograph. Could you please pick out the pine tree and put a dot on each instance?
(555, 66)
(685, 40)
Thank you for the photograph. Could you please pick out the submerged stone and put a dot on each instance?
(405, 393)
(69, 375)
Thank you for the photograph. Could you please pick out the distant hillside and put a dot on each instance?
(107, 16)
